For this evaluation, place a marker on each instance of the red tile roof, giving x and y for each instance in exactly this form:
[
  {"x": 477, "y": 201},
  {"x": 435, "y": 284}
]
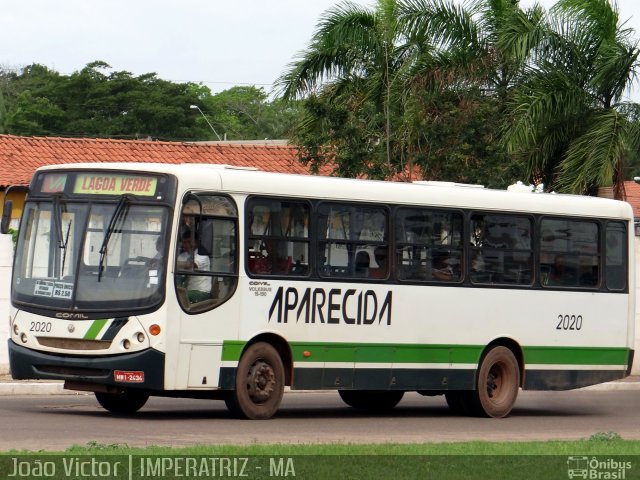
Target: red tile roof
[{"x": 20, "y": 156}]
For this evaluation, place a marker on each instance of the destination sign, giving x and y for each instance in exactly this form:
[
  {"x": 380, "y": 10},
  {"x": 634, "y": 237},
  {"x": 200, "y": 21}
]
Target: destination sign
[
  {"x": 54, "y": 183},
  {"x": 112, "y": 184}
]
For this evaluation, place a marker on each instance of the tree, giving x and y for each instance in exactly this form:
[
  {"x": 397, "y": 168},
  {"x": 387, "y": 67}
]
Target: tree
[
  {"x": 455, "y": 136},
  {"x": 569, "y": 120},
  {"x": 483, "y": 44},
  {"x": 420, "y": 78},
  {"x": 245, "y": 112},
  {"x": 97, "y": 101},
  {"x": 353, "y": 60}
]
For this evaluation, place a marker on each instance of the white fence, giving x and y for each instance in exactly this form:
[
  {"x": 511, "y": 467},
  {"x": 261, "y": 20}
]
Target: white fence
[{"x": 6, "y": 259}]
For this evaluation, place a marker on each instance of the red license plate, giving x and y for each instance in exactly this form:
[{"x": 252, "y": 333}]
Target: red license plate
[{"x": 128, "y": 377}]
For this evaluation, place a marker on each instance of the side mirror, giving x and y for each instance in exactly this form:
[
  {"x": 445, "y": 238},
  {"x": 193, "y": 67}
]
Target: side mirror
[{"x": 6, "y": 217}]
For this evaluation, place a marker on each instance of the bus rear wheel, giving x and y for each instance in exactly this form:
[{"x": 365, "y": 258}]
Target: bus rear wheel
[
  {"x": 375, "y": 400},
  {"x": 259, "y": 383},
  {"x": 497, "y": 384},
  {"x": 124, "y": 403}
]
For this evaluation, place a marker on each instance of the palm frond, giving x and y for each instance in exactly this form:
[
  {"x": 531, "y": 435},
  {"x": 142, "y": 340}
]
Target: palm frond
[
  {"x": 344, "y": 41},
  {"x": 593, "y": 158}
]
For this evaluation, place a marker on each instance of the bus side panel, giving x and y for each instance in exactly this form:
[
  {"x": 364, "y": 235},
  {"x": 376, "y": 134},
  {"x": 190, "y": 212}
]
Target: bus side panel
[{"x": 419, "y": 337}]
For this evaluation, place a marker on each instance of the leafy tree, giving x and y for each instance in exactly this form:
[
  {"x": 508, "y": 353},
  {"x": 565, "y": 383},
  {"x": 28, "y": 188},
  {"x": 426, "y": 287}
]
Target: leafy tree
[
  {"x": 343, "y": 130},
  {"x": 482, "y": 44},
  {"x": 455, "y": 137},
  {"x": 353, "y": 61},
  {"x": 96, "y": 101},
  {"x": 417, "y": 77},
  {"x": 467, "y": 59},
  {"x": 569, "y": 121},
  {"x": 246, "y": 113},
  {"x": 28, "y": 99}
]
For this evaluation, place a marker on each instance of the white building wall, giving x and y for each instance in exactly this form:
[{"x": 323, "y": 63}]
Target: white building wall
[
  {"x": 6, "y": 260},
  {"x": 635, "y": 370}
]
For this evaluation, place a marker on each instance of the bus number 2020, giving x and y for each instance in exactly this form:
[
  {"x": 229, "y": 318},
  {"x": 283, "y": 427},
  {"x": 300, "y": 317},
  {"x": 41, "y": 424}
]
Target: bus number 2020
[{"x": 569, "y": 322}]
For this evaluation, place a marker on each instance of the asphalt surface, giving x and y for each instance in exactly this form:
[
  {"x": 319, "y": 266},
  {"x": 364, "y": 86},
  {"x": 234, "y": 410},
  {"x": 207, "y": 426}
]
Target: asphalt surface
[{"x": 56, "y": 422}]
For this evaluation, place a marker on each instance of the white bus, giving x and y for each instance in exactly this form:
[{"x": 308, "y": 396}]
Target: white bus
[{"x": 138, "y": 280}]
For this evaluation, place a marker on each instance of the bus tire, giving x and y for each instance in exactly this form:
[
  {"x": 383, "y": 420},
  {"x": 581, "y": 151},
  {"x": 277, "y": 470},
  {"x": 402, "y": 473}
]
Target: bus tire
[
  {"x": 497, "y": 384},
  {"x": 259, "y": 383},
  {"x": 373, "y": 400},
  {"x": 125, "y": 403}
]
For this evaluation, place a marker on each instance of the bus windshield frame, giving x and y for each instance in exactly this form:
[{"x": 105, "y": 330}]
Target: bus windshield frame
[{"x": 102, "y": 250}]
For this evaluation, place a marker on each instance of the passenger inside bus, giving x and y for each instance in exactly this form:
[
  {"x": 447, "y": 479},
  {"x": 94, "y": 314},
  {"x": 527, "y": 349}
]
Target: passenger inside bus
[
  {"x": 381, "y": 257},
  {"x": 362, "y": 264},
  {"x": 157, "y": 258},
  {"x": 562, "y": 273},
  {"x": 442, "y": 268},
  {"x": 198, "y": 287}
]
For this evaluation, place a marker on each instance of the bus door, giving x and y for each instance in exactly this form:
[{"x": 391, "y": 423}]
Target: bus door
[{"x": 206, "y": 275}]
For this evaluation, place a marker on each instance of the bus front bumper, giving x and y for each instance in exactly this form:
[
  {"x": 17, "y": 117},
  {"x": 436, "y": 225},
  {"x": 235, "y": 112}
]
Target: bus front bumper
[{"x": 143, "y": 370}]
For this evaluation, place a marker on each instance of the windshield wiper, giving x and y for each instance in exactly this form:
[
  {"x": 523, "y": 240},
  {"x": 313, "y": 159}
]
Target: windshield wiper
[
  {"x": 57, "y": 220},
  {"x": 64, "y": 247},
  {"x": 117, "y": 213}
]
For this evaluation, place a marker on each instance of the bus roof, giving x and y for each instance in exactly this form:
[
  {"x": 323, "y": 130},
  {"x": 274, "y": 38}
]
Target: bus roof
[{"x": 438, "y": 194}]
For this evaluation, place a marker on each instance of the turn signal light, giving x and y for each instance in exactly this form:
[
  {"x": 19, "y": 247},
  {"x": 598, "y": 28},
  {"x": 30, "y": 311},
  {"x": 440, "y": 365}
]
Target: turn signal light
[{"x": 154, "y": 329}]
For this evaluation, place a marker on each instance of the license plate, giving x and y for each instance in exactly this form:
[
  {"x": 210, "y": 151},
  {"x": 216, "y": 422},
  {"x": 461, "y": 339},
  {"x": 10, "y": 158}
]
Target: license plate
[{"x": 128, "y": 377}]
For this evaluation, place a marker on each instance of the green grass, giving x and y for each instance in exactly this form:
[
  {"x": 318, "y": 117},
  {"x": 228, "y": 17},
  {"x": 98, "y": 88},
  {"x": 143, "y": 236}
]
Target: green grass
[
  {"x": 608, "y": 443},
  {"x": 461, "y": 460}
]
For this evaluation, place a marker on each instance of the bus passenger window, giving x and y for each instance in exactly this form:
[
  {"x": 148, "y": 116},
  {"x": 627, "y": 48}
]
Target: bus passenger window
[
  {"x": 206, "y": 261},
  {"x": 278, "y": 237},
  {"x": 569, "y": 253},
  {"x": 501, "y": 249},
  {"x": 616, "y": 256},
  {"x": 429, "y": 245},
  {"x": 351, "y": 238}
]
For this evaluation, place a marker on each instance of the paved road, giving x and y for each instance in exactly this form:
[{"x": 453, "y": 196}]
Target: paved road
[{"x": 55, "y": 422}]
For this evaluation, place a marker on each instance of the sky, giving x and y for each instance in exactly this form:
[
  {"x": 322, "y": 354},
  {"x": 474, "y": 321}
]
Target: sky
[{"x": 218, "y": 43}]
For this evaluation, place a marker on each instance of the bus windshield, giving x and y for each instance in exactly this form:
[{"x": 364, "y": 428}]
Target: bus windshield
[{"x": 86, "y": 256}]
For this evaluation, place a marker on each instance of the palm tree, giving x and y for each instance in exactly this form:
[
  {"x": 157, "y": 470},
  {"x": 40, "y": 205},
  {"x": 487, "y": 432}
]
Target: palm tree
[
  {"x": 469, "y": 55},
  {"x": 355, "y": 53},
  {"x": 483, "y": 43},
  {"x": 569, "y": 119}
]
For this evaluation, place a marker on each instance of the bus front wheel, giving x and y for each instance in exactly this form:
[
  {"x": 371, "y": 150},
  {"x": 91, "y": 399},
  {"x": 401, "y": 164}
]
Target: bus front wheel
[
  {"x": 497, "y": 384},
  {"x": 259, "y": 383},
  {"x": 124, "y": 403}
]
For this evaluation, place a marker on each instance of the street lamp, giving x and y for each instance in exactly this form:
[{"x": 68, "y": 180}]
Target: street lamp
[{"x": 196, "y": 107}]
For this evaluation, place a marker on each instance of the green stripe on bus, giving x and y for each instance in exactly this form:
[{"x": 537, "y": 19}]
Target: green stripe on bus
[
  {"x": 438, "y": 354},
  {"x": 576, "y": 355},
  {"x": 94, "y": 329},
  {"x": 385, "y": 353},
  {"x": 231, "y": 350}
]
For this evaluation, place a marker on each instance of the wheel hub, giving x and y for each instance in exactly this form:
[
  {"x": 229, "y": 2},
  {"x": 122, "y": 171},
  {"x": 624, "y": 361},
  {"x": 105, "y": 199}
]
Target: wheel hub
[
  {"x": 493, "y": 382},
  {"x": 261, "y": 382}
]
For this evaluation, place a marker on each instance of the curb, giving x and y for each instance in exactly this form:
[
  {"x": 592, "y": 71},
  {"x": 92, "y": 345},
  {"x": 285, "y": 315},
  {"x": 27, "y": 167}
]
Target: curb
[
  {"x": 33, "y": 388},
  {"x": 613, "y": 386}
]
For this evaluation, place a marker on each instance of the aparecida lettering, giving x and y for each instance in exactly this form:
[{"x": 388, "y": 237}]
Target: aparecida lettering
[{"x": 315, "y": 305}]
